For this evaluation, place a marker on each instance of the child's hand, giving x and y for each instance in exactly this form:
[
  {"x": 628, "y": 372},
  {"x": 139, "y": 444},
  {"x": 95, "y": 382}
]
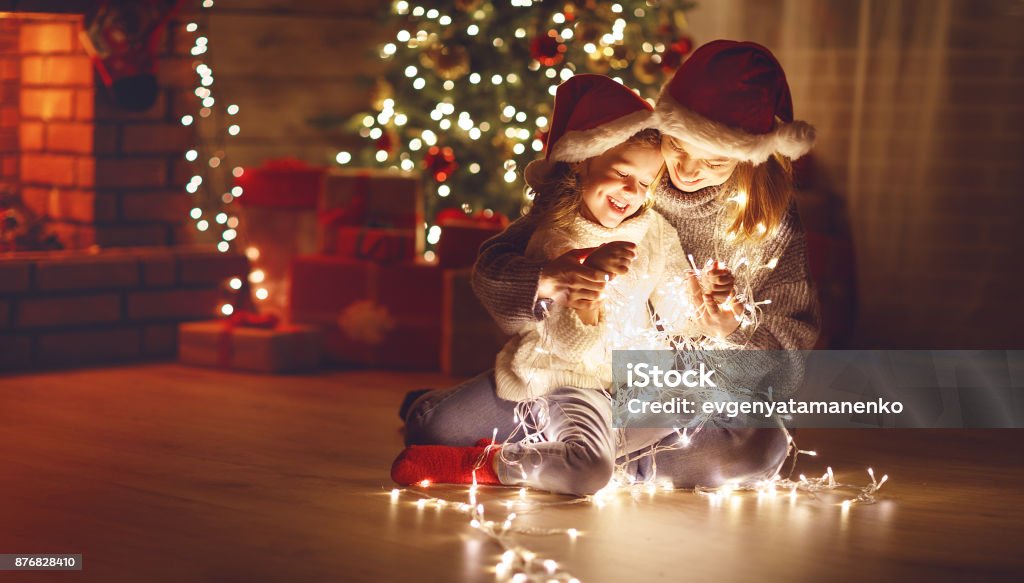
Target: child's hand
[
  {"x": 566, "y": 280},
  {"x": 613, "y": 258},
  {"x": 718, "y": 319}
]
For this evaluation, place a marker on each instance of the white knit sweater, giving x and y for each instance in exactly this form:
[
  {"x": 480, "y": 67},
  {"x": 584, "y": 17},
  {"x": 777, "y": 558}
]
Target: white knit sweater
[{"x": 561, "y": 350}]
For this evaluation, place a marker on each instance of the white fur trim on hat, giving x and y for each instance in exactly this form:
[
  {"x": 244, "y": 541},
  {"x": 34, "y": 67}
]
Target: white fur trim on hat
[
  {"x": 792, "y": 140},
  {"x": 578, "y": 145}
]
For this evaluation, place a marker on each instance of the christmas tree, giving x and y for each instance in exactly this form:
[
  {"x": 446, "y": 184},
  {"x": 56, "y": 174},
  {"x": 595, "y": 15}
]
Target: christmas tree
[{"x": 467, "y": 92}]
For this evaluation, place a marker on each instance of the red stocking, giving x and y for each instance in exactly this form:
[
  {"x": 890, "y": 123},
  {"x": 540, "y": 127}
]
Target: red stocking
[
  {"x": 123, "y": 37},
  {"x": 442, "y": 464}
]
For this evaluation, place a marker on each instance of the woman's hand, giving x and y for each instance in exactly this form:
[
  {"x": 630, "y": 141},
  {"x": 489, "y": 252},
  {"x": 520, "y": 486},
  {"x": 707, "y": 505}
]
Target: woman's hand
[
  {"x": 719, "y": 282},
  {"x": 718, "y": 319},
  {"x": 566, "y": 280}
]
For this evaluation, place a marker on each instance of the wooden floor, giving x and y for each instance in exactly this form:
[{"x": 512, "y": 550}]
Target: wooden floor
[{"x": 165, "y": 473}]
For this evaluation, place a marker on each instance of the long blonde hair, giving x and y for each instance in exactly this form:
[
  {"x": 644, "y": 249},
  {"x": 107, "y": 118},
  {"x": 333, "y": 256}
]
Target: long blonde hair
[
  {"x": 558, "y": 200},
  {"x": 763, "y": 194}
]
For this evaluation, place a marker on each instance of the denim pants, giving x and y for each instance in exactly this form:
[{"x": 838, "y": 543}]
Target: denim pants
[{"x": 578, "y": 449}]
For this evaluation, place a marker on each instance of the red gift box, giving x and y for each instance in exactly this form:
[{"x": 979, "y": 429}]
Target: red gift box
[
  {"x": 462, "y": 235},
  {"x": 373, "y": 199},
  {"x": 470, "y": 339},
  {"x": 384, "y": 315},
  {"x": 282, "y": 348},
  {"x": 279, "y": 219},
  {"x": 379, "y": 245},
  {"x": 282, "y": 183}
]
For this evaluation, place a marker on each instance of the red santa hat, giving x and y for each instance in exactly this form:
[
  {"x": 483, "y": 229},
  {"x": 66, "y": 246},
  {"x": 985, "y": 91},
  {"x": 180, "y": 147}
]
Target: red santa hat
[
  {"x": 592, "y": 115},
  {"x": 731, "y": 98}
]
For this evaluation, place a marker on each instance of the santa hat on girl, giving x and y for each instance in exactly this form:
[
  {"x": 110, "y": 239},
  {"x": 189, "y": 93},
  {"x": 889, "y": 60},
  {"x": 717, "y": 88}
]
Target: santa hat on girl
[
  {"x": 592, "y": 115},
  {"x": 731, "y": 98}
]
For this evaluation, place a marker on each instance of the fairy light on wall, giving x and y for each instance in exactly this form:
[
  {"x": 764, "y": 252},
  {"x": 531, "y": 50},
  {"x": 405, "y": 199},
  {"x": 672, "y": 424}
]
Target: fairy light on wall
[{"x": 210, "y": 183}]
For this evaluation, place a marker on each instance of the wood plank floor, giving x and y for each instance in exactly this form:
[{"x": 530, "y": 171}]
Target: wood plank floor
[{"x": 161, "y": 472}]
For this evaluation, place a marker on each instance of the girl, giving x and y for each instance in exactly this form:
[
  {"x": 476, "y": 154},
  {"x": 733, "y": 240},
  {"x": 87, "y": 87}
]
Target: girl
[{"x": 591, "y": 204}]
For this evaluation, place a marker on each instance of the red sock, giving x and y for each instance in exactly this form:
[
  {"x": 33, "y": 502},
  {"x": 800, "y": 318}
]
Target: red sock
[{"x": 442, "y": 464}]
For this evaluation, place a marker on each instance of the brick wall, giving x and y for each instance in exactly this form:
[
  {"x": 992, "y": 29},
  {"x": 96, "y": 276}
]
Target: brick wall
[
  {"x": 73, "y": 308},
  {"x": 100, "y": 175},
  {"x": 56, "y": 93},
  {"x": 10, "y": 75},
  {"x": 140, "y": 165}
]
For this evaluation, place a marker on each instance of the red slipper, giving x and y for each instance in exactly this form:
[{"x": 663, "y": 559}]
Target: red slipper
[{"x": 442, "y": 464}]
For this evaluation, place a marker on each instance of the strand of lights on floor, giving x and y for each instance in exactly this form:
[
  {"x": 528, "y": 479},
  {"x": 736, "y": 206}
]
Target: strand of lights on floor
[
  {"x": 519, "y": 564},
  {"x": 229, "y": 220}
]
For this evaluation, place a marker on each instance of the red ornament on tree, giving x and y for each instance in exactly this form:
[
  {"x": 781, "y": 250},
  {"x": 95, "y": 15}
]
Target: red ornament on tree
[
  {"x": 440, "y": 162},
  {"x": 673, "y": 57},
  {"x": 547, "y": 49}
]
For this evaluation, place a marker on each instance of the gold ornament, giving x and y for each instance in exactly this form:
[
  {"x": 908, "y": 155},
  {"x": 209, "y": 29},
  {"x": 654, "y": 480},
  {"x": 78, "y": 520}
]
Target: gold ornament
[
  {"x": 646, "y": 70},
  {"x": 598, "y": 62},
  {"x": 621, "y": 56},
  {"x": 449, "y": 62}
]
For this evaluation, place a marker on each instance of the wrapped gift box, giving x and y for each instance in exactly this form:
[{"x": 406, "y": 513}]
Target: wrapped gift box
[
  {"x": 279, "y": 218},
  {"x": 372, "y": 198},
  {"x": 378, "y": 245},
  {"x": 470, "y": 340},
  {"x": 285, "y": 183},
  {"x": 381, "y": 315},
  {"x": 460, "y": 243},
  {"x": 462, "y": 235},
  {"x": 285, "y": 348}
]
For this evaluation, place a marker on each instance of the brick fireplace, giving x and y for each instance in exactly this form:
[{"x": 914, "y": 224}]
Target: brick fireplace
[
  {"x": 96, "y": 174},
  {"x": 109, "y": 184}
]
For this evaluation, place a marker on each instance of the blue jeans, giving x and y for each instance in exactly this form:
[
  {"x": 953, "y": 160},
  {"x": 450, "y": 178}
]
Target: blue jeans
[{"x": 579, "y": 449}]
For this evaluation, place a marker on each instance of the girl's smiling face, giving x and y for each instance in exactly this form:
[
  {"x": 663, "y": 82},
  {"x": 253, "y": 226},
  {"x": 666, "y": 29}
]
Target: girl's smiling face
[
  {"x": 615, "y": 184},
  {"x": 691, "y": 168}
]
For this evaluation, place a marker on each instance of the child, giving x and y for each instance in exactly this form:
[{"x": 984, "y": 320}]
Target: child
[
  {"x": 598, "y": 206},
  {"x": 591, "y": 201}
]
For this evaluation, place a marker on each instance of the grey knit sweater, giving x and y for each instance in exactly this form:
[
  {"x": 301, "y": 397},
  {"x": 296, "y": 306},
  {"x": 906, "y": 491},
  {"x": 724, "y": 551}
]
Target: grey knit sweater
[{"x": 774, "y": 270}]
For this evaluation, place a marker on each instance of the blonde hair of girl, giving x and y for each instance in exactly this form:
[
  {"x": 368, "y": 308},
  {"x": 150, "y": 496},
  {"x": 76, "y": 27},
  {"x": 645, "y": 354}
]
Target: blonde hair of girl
[{"x": 763, "y": 195}]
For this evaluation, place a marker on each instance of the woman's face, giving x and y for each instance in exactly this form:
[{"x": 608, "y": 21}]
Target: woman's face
[
  {"x": 691, "y": 168},
  {"x": 615, "y": 183}
]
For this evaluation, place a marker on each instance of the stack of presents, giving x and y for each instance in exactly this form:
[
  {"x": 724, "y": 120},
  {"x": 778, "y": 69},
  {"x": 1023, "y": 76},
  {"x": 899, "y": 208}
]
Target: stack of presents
[{"x": 347, "y": 248}]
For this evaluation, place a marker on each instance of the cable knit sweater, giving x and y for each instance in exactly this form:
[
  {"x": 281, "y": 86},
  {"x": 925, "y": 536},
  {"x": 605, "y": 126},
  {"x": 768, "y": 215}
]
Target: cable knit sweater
[
  {"x": 506, "y": 280},
  {"x": 560, "y": 350}
]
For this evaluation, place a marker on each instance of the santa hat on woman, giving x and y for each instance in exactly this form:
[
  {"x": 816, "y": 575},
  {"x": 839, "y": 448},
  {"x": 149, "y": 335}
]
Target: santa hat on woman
[
  {"x": 731, "y": 98},
  {"x": 592, "y": 115}
]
